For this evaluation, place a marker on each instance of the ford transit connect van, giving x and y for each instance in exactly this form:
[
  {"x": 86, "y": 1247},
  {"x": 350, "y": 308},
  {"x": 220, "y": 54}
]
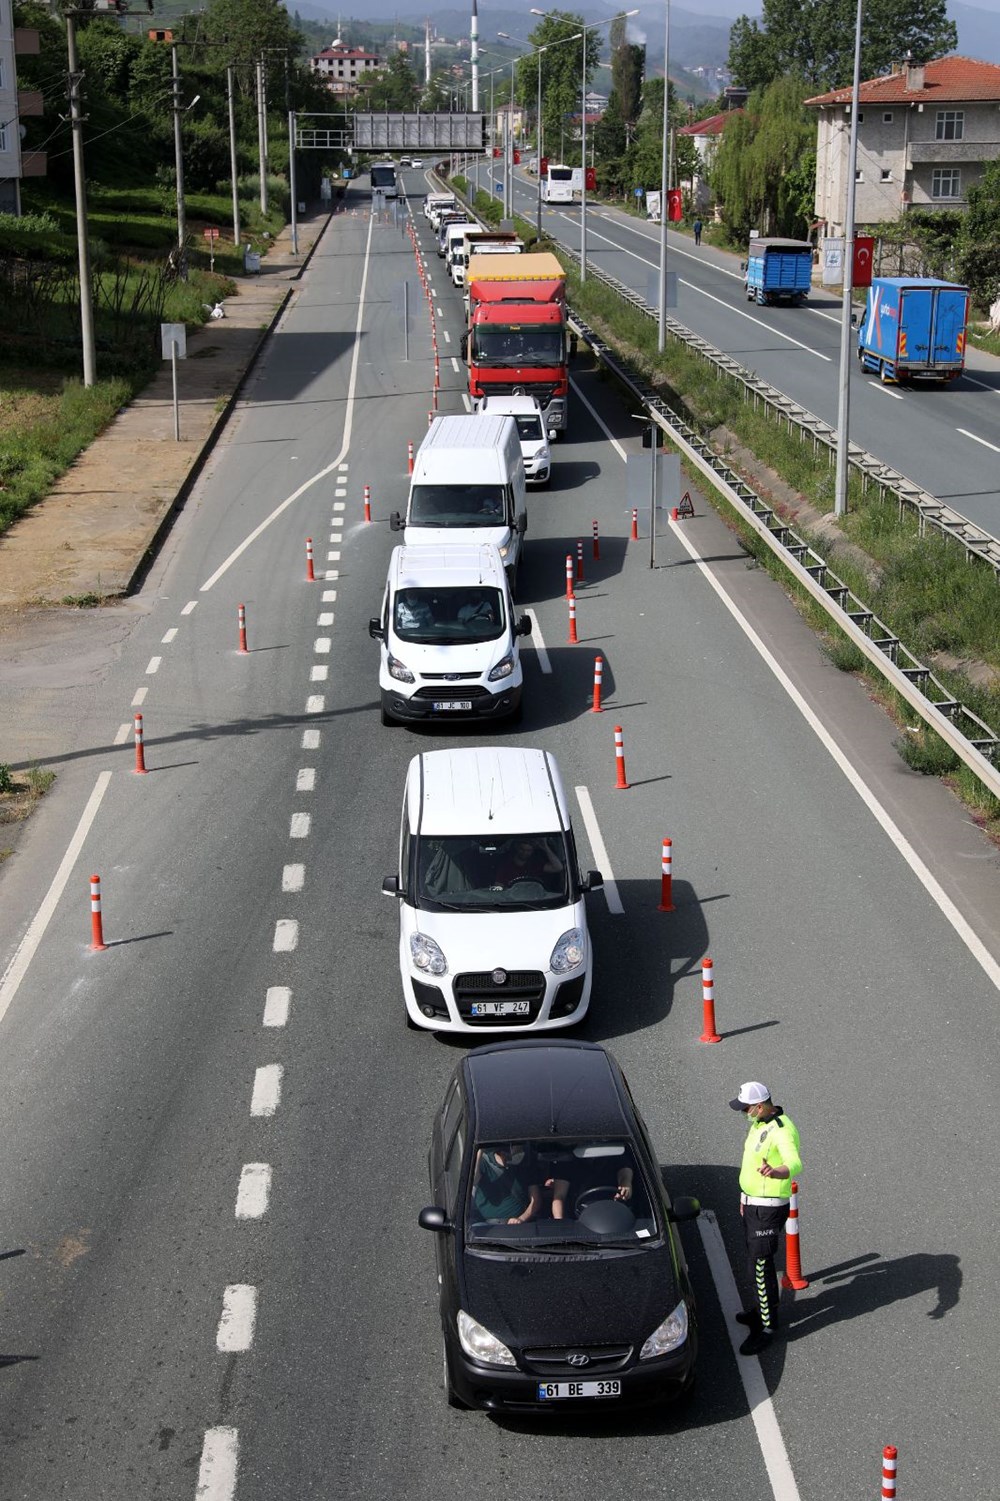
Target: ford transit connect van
[
  {"x": 468, "y": 486},
  {"x": 448, "y": 636},
  {"x": 492, "y": 922}
]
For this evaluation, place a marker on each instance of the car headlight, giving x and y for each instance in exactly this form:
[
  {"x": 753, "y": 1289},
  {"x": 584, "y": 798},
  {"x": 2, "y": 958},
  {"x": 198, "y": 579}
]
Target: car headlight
[
  {"x": 503, "y": 669},
  {"x": 399, "y": 670},
  {"x": 480, "y": 1344},
  {"x": 568, "y": 953},
  {"x": 427, "y": 955},
  {"x": 671, "y": 1333}
]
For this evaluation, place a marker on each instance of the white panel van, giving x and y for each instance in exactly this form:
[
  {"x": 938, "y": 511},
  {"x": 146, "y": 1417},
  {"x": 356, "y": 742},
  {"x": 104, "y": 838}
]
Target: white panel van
[
  {"x": 468, "y": 486},
  {"x": 492, "y": 919}
]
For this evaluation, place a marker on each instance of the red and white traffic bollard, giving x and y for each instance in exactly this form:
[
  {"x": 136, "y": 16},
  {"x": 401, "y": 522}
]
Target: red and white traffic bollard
[
  {"x": 708, "y": 1032},
  {"x": 620, "y": 780},
  {"x": 598, "y": 678},
  {"x": 310, "y": 570},
  {"x": 597, "y": 544},
  {"x": 573, "y": 638},
  {"x": 793, "y": 1254},
  {"x": 140, "y": 751},
  {"x": 569, "y": 576},
  {"x": 96, "y": 920},
  {"x": 579, "y": 562},
  {"x": 889, "y": 1472},
  {"x": 635, "y": 524},
  {"x": 409, "y": 456},
  {"x": 241, "y": 616},
  {"x": 667, "y": 877},
  {"x": 673, "y": 514},
  {"x": 368, "y": 502}
]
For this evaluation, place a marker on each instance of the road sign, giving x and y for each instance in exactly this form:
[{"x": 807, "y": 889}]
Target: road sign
[
  {"x": 638, "y": 192},
  {"x": 211, "y": 233}
]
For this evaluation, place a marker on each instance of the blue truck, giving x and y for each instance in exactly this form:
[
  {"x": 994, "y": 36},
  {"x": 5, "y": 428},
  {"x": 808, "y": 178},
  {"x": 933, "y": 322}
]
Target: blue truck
[
  {"x": 913, "y": 326},
  {"x": 778, "y": 271}
]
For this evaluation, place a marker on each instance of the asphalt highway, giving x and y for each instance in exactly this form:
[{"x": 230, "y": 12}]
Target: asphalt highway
[
  {"x": 215, "y": 1132},
  {"x": 944, "y": 438}
]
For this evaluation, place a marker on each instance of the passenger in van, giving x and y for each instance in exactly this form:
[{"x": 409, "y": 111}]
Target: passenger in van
[
  {"x": 499, "y": 1190},
  {"x": 413, "y": 613}
]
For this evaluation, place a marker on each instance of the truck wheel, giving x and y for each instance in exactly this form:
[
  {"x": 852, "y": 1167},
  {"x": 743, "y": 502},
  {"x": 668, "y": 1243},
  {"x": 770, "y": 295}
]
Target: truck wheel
[{"x": 883, "y": 377}]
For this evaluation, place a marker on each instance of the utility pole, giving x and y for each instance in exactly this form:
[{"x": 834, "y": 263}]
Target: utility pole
[
  {"x": 661, "y": 324},
  {"x": 262, "y": 134},
  {"x": 232, "y": 152},
  {"x": 844, "y": 388},
  {"x": 80, "y": 183},
  {"x": 179, "y": 165}
]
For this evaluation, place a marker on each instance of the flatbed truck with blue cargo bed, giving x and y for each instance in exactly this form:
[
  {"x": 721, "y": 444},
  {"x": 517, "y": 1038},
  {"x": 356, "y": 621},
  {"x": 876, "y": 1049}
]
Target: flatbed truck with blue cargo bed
[
  {"x": 778, "y": 271},
  {"x": 913, "y": 326}
]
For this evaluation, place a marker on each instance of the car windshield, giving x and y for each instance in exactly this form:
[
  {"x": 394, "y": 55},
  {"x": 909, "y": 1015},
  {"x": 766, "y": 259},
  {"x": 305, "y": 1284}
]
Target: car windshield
[
  {"x": 445, "y": 617},
  {"x": 490, "y": 873},
  {"x": 550, "y": 1193},
  {"x": 456, "y": 505},
  {"x": 528, "y": 428},
  {"x": 529, "y": 344}
]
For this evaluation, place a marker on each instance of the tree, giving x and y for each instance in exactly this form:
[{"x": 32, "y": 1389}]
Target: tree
[
  {"x": 394, "y": 87},
  {"x": 627, "y": 63},
  {"x": 979, "y": 238},
  {"x": 561, "y": 70},
  {"x": 757, "y": 170},
  {"x": 815, "y": 38}
]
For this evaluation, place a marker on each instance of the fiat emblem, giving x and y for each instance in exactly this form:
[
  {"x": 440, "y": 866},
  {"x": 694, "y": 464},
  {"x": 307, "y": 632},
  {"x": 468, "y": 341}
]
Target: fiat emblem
[
  {"x": 578, "y": 1358},
  {"x": 499, "y": 977}
]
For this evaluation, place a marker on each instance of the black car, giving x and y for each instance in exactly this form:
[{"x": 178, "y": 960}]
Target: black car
[{"x": 562, "y": 1277}]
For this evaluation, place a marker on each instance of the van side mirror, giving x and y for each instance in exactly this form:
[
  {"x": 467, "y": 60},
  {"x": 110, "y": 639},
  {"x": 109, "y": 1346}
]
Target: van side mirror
[
  {"x": 390, "y": 886},
  {"x": 375, "y": 630},
  {"x": 593, "y": 881},
  {"x": 574, "y": 344},
  {"x": 521, "y": 524},
  {"x": 854, "y": 317},
  {"x": 524, "y": 626},
  {"x": 395, "y": 522},
  {"x": 553, "y": 434}
]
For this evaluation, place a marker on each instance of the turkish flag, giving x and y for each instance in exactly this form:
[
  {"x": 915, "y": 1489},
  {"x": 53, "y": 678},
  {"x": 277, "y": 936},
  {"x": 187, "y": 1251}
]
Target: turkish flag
[
  {"x": 496, "y": 152},
  {"x": 864, "y": 258},
  {"x": 543, "y": 167},
  {"x": 590, "y": 179},
  {"x": 675, "y": 208},
  {"x": 517, "y": 157}
]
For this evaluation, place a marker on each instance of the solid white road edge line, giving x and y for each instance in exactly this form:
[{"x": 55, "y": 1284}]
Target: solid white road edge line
[
  {"x": 619, "y": 450},
  {"x": 25, "y": 951},
  {"x": 772, "y": 1445},
  {"x": 885, "y": 390},
  {"x": 344, "y": 447},
  {"x": 538, "y": 642},
  {"x": 593, "y": 828},
  {"x": 239, "y": 1315},
  {"x": 217, "y": 1470}
]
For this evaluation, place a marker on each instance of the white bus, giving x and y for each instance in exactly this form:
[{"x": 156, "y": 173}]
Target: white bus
[
  {"x": 557, "y": 185},
  {"x": 383, "y": 178}
]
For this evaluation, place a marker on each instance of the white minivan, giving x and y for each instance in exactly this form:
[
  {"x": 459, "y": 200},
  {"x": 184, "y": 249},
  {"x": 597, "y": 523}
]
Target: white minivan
[
  {"x": 534, "y": 439},
  {"x": 448, "y": 636},
  {"x": 492, "y": 920},
  {"x": 468, "y": 486},
  {"x": 454, "y": 249}
]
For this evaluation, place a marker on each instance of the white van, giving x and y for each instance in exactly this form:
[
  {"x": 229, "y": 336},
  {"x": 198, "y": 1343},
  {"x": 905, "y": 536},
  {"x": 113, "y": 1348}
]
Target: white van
[
  {"x": 454, "y": 249},
  {"x": 448, "y": 636},
  {"x": 468, "y": 483},
  {"x": 492, "y": 921},
  {"x": 534, "y": 439},
  {"x": 437, "y": 203}
]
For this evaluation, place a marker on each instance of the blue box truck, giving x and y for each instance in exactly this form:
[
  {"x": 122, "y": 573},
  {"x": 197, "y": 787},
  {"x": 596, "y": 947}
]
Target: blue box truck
[
  {"x": 778, "y": 271},
  {"x": 913, "y": 326}
]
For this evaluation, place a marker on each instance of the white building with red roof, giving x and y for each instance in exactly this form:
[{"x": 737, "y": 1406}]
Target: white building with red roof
[
  {"x": 925, "y": 133},
  {"x": 706, "y": 135},
  {"x": 343, "y": 69}
]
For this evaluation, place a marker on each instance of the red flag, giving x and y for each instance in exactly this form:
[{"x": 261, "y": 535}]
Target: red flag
[
  {"x": 675, "y": 208},
  {"x": 517, "y": 157},
  {"x": 864, "y": 259},
  {"x": 543, "y": 167},
  {"x": 590, "y": 178}
]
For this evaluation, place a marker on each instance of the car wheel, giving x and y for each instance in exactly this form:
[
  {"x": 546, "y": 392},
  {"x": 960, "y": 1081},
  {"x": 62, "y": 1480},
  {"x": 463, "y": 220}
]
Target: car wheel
[
  {"x": 450, "y": 1395},
  {"x": 387, "y": 718}
]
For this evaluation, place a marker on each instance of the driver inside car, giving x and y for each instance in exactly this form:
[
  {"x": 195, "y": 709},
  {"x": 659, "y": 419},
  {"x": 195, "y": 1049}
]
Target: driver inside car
[
  {"x": 525, "y": 860},
  {"x": 593, "y": 1165}
]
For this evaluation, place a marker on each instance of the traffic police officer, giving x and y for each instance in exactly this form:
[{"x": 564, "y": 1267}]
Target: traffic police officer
[{"x": 770, "y": 1161}]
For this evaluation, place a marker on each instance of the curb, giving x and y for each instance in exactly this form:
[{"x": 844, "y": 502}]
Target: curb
[{"x": 150, "y": 551}]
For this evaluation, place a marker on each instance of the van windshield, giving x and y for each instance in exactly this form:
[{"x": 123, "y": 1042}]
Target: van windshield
[
  {"x": 456, "y": 505},
  {"x": 446, "y": 617},
  {"x": 489, "y": 873}
]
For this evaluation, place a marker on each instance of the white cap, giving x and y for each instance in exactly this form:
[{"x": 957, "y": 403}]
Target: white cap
[{"x": 751, "y": 1093}]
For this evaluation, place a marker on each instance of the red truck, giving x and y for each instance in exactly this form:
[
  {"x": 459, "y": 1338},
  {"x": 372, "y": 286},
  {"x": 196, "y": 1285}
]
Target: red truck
[{"x": 517, "y": 341}]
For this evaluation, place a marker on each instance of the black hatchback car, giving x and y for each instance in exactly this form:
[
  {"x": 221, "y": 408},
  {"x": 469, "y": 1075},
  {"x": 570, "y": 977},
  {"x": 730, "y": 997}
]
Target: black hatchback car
[{"x": 563, "y": 1282}]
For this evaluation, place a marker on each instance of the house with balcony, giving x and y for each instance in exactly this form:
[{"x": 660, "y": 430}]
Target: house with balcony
[
  {"x": 925, "y": 134},
  {"x": 706, "y": 135},
  {"x": 16, "y": 104},
  {"x": 344, "y": 69}
]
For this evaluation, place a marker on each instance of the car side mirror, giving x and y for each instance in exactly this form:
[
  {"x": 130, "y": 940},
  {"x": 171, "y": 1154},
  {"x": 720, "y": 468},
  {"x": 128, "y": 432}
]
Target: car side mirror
[
  {"x": 464, "y": 346},
  {"x": 684, "y": 1209},
  {"x": 434, "y": 1218},
  {"x": 390, "y": 886},
  {"x": 743, "y": 265},
  {"x": 593, "y": 881},
  {"x": 375, "y": 630},
  {"x": 524, "y": 626},
  {"x": 553, "y": 434},
  {"x": 854, "y": 318},
  {"x": 521, "y": 524},
  {"x": 395, "y": 522}
]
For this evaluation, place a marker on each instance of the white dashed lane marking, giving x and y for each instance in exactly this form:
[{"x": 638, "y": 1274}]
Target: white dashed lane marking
[
  {"x": 217, "y": 1470},
  {"x": 326, "y": 618},
  {"x": 329, "y": 596},
  {"x": 319, "y": 674},
  {"x": 266, "y": 1090},
  {"x": 239, "y": 1315},
  {"x": 299, "y": 826},
  {"x": 293, "y": 877},
  {"x": 254, "y": 1190},
  {"x": 333, "y": 557},
  {"x": 153, "y": 665},
  {"x": 169, "y": 636},
  {"x": 276, "y": 1005},
  {"x": 124, "y": 731},
  {"x": 315, "y": 703},
  {"x": 286, "y": 935},
  {"x": 305, "y": 780},
  {"x": 191, "y": 604},
  {"x": 538, "y": 642},
  {"x": 310, "y": 739},
  {"x": 139, "y": 697}
]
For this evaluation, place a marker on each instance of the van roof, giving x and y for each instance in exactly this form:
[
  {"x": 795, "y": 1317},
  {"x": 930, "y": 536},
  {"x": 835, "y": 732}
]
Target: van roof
[
  {"x": 490, "y": 789},
  {"x": 446, "y": 565},
  {"x": 472, "y": 431}
]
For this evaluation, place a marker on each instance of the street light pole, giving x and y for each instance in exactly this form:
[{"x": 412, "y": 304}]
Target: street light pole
[
  {"x": 844, "y": 398},
  {"x": 232, "y": 153},
  {"x": 80, "y": 184},
  {"x": 583, "y": 165},
  {"x": 661, "y": 326},
  {"x": 538, "y": 133},
  {"x": 179, "y": 163}
]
